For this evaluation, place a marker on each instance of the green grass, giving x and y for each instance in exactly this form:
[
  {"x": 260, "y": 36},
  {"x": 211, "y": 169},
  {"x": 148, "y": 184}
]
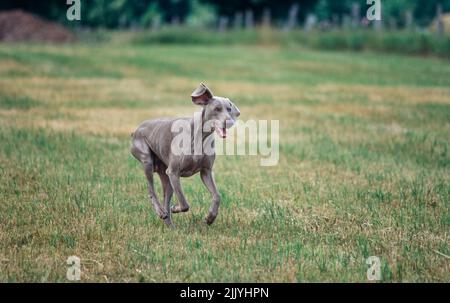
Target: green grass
[
  {"x": 401, "y": 42},
  {"x": 363, "y": 171}
]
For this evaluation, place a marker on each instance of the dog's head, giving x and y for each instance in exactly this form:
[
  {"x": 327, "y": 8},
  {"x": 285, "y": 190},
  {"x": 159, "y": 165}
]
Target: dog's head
[{"x": 219, "y": 110}]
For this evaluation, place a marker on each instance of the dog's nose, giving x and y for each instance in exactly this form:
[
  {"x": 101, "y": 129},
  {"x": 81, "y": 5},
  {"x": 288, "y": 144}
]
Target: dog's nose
[{"x": 229, "y": 123}]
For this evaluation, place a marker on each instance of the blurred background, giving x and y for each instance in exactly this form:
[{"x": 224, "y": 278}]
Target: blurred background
[{"x": 407, "y": 26}]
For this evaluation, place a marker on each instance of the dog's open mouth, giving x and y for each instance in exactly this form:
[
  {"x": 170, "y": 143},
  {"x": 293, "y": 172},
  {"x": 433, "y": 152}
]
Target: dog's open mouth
[
  {"x": 221, "y": 131},
  {"x": 221, "y": 127}
]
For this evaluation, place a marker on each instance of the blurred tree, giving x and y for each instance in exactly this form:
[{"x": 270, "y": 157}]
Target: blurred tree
[
  {"x": 278, "y": 9},
  {"x": 152, "y": 16},
  {"x": 128, "y": 13},
  {"x": 425, "y": 10},
  {"x": 202, "y": 14},
  {"x": 174, "y": 9},
  {"x": 116, "y": 13},
  {"x": 323, "y": 10},
  {"x": 50, "y": 9}
]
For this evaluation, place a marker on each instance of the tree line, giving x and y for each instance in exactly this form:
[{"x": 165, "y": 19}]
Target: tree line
[{"x": 149, "y": 13}]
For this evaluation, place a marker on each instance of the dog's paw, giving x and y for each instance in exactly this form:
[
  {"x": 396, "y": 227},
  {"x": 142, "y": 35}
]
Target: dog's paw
[
  {"x": 162, "y": 213},
  {"x": 210, "y": 219},
  {"x": 177, "y": 209}
]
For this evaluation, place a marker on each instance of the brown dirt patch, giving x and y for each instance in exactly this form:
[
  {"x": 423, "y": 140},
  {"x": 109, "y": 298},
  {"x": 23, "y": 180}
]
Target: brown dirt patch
[{"x": 19, "y": 26}]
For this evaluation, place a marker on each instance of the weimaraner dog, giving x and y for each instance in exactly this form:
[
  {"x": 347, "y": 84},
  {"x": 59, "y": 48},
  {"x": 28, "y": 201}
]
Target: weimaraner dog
[{"x": 152, "y": 146}]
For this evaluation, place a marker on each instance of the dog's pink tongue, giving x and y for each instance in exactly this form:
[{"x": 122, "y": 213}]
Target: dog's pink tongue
[{"x": 222, "y": 132}]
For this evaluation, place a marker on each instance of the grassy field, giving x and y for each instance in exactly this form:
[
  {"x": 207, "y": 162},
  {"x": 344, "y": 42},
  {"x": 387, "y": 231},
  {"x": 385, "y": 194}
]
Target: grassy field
[{"x": 364, "y": 165}]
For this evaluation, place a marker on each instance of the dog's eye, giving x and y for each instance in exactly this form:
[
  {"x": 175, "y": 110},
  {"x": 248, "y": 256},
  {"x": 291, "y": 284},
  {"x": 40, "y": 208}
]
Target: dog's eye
[
  {"x": 229, "y": 109},
  {"x": 218, "y": 109}
]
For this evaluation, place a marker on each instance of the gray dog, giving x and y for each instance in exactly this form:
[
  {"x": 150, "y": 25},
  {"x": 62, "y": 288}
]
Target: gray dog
[{"x": 152, "y": 146}]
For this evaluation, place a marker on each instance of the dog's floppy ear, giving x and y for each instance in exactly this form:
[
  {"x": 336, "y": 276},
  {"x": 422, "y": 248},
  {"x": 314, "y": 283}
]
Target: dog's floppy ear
[{"x": 201, "y": 95}]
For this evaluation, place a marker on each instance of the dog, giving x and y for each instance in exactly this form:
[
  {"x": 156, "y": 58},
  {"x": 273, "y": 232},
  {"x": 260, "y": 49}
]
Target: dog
[{"x": 152, "y": 146}]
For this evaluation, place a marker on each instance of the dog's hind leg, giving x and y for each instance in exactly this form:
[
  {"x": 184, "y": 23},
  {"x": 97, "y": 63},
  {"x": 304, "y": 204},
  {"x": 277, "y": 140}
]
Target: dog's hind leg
[
  {"x": 168, "y": 192},
  {"x": 142, "y": 152},
  {"x": 148, "y": 168}
]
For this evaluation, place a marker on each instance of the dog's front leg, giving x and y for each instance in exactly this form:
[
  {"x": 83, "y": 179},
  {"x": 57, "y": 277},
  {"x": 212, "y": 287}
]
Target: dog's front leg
[
  {"x": 208, "y": 179},
  {"x": 183, "y": 205}
]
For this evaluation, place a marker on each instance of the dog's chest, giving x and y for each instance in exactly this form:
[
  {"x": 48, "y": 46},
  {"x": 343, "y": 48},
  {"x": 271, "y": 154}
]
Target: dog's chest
[{"x": 193, "y": 164}]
